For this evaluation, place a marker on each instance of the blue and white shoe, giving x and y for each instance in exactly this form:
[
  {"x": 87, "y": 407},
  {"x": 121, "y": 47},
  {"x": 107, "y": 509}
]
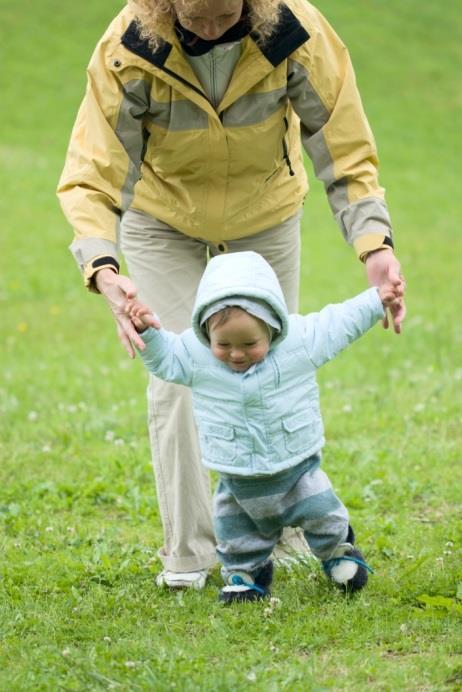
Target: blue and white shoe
[
  {"x": 243, "y": 586},
  {"x": 347, "y": 567}
]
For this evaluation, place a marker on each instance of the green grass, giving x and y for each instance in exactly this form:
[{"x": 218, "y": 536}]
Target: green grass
[{"x": 79, "y": 525}]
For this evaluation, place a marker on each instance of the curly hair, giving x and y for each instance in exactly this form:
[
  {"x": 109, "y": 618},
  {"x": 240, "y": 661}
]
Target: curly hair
[{"x": 155, "y": 17}]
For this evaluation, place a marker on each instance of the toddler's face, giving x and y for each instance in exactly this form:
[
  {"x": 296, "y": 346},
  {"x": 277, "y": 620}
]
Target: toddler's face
[{"x": 241, "y": 341}]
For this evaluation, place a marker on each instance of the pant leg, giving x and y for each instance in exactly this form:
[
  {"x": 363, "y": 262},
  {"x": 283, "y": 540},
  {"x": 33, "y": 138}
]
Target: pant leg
[
  {"x": 166, "y": 267},
  {"x": 313, "y": 506},
  {"x": 301, "y": 496},
  {"x": 241, "y": 547}
]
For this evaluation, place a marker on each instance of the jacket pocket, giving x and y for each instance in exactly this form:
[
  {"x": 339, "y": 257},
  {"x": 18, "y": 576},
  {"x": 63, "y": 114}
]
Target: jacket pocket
[
  {"x": 218, "y": 442},
  {"x": 298, "y": 431}
]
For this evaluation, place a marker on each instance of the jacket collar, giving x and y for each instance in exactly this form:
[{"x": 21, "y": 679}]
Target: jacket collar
[{"x": 288, "y": 35}]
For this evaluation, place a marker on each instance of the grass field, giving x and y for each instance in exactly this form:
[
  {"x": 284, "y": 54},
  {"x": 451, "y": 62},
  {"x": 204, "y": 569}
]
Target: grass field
[{"x": 79, "y": 526}]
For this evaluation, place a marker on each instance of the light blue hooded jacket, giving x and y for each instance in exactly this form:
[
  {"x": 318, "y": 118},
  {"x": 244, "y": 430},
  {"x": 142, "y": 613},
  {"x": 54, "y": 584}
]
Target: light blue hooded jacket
[{"x": 266, "y": 419}]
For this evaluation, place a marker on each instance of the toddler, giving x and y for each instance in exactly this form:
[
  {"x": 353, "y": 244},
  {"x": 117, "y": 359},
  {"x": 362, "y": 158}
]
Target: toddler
[{"x": 251, "y": 368}]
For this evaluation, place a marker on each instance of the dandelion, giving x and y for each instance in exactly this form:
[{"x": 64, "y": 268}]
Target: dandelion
[
  {"x": 46, "y": 449},
  {"x": 22, "y": 327},
  {"x": 449, "y": 546},
  {"x": 32, "y": 416},
  {"x": 66, "y": 652},
  {"x": 273, "y": 604},
  {"x": 130, "y": 664},
  {"x": 347, "y": 408},
  {"x": 49, "y": 529},
  {"x": 109, "y": 436}
]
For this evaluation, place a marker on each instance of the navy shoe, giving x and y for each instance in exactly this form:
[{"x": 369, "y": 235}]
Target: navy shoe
[
  {"x": 243, "y": 586},
  {"x": 347, "y": 567}
]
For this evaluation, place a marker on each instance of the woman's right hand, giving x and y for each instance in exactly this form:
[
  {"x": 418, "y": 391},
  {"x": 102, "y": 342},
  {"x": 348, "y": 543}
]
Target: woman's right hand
[{"x": 118, "y": 290}]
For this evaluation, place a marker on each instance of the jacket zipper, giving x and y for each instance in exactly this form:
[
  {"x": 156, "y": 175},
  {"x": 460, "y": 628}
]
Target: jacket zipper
[
  {"x": 213, "y": 79},
  {"x": 285, "y": 150}
]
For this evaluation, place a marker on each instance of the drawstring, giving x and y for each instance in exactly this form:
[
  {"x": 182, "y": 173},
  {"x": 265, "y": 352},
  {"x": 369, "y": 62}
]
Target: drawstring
[
  {"x": 238, "y": 581},
  {"x": 334, "y": 562}
]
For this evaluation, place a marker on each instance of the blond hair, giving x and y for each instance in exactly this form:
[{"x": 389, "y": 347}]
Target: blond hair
[{"x": 157, "y": 17}]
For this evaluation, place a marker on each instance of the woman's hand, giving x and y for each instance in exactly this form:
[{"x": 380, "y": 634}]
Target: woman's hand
[
  {"x": 384, "y": 271},
  {"x": 118, "y": 290}
]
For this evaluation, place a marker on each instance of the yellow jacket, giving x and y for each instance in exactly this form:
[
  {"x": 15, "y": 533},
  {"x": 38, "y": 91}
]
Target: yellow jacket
[{"x": 147, "y": 137}]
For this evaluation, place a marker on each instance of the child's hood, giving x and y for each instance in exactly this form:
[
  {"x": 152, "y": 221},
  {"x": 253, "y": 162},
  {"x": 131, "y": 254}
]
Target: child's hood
[{"x": 244, "y": 274}]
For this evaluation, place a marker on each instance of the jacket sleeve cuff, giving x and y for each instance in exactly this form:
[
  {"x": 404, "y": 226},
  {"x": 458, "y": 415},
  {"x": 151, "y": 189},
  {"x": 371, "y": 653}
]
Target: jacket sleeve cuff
[
  {"x": 97, "y": 263},
  {"x": 370, "y": 242}
]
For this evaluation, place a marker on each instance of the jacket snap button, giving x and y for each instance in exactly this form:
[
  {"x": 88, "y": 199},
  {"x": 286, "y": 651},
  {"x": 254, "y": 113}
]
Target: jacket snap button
[{"x": 117, "y": 63}]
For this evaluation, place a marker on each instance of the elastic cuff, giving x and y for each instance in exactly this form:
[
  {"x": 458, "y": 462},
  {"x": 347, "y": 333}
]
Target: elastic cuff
[
  {"x": 369, "y": 243},
  {"x": 97, "y": 263}
]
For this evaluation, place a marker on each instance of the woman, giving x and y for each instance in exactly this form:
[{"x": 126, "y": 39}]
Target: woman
[{"x": 188, "y": 145}]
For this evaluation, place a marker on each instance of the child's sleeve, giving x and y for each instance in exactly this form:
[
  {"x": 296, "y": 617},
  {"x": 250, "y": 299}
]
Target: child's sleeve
[
  {"x": 166, "y": 356},
  {"x": 329, "y": 331}
]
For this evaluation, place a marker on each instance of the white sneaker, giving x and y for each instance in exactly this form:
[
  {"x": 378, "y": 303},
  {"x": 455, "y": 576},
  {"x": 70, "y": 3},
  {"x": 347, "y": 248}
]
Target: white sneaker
[{"x": 182, "y": 580}]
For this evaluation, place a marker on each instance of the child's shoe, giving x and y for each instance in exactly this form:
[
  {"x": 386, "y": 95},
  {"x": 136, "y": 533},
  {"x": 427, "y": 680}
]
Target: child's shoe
[
  {"x": 347, "y": 567},
  {"x": 242, "y": 586}
]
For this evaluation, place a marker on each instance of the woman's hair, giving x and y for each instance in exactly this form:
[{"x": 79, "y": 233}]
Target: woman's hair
[{"x": 156, "y": 16}]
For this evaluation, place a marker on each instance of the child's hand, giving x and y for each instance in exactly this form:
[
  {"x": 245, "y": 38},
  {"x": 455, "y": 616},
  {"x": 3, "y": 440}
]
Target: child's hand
[
  {"x": 384, "y": 270},
  {"x": 141, "y": 316},
  {"x": 392, "y": 300}
]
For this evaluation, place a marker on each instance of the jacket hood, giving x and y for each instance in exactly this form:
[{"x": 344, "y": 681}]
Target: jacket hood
[{"x": 244, "y": 274}]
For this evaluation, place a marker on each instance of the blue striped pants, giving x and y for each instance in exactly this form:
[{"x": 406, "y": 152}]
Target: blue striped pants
[{"x": 250, "y": 513}]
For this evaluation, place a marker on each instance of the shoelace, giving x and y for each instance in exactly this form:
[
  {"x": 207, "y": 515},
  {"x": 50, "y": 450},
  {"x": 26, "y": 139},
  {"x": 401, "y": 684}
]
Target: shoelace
[
  {"x": 333, "y": 562},
  {"x": 238, "y": 581}
]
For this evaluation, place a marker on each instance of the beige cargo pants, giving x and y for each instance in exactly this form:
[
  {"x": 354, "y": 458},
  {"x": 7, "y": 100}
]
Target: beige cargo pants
[{"x": 166, "y": 267}]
